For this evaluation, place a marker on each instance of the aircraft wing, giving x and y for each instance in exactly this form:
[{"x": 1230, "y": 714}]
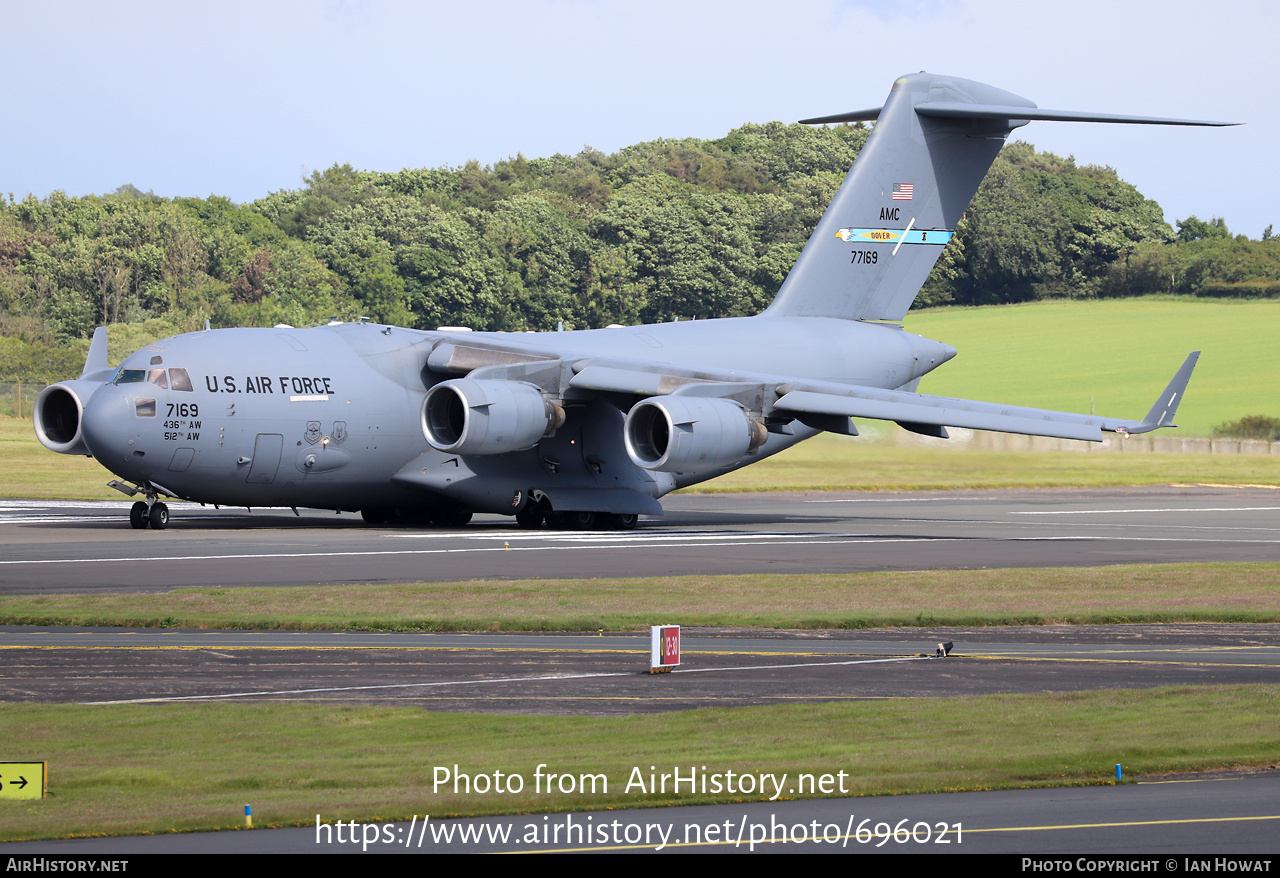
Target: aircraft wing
[
  {"x": 919, "y": 412},
  {"x": 940, "y": 411}
]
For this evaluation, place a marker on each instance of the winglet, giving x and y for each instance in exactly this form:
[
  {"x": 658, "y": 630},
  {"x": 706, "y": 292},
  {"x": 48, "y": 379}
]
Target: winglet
[
  {"x": 1161, "y": 414},
  {"x": 96, "y": 367}
]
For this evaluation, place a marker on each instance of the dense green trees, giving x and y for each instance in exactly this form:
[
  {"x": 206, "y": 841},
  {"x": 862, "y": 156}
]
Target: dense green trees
[
  {"x": 659, "y": 230},
  {"x": 1207, "y": 260}
]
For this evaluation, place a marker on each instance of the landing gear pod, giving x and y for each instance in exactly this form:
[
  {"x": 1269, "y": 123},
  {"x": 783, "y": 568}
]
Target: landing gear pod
[
  {"x": 466, "y": 416},
  {"x": 674, "y": 434},
  {"x": 58, "y": 415}
]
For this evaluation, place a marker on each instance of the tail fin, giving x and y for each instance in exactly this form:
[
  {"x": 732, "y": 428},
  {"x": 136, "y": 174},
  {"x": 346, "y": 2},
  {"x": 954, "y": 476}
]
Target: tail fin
[{"x": 935, "y": 138}]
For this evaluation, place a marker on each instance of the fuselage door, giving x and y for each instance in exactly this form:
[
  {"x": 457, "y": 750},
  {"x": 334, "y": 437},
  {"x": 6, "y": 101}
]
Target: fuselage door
[{"x": 266, "y": 458}]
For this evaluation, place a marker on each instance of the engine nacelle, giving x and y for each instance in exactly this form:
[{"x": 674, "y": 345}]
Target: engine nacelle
[
  {"x": 59, "y": 413},
  {"x": 466, "y": 416},
  {"x": 677, "y": 434}
]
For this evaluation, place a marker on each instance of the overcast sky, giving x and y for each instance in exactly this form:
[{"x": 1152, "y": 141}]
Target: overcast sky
[{"x": 244, "y": 98}]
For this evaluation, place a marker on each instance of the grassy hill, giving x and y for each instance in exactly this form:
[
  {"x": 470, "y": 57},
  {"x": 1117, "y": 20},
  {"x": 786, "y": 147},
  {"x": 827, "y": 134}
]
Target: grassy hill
[{"x": 1057, "y": 354}]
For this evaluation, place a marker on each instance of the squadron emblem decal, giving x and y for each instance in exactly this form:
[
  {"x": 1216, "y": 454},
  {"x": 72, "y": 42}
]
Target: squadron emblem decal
[{"x": 888, "y": 236}]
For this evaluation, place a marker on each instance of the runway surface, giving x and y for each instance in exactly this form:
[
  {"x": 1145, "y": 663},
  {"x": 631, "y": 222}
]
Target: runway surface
[
  {"x": 77, "y": 547},
  {"x": 601, "y": 676},
  {"x": 49, "y": 546}
]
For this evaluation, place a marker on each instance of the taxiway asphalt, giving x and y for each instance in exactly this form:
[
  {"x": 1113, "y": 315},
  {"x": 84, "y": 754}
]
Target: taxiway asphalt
[
  {"x": 79, "y": 547},
  {"x": 51, "y": 546},
  {"x": 600, "y": 676}
]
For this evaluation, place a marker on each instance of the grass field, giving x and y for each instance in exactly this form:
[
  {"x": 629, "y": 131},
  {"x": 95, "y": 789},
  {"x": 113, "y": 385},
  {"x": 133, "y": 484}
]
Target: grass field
[
  {"x": 1122, "y": 352},
  {"x": 158, "y": 768},
  {"x": 841, "y": 463},
  {"x": 1132, "y": 593}
]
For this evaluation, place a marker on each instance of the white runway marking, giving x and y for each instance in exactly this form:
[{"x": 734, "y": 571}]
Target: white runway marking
[
  {"x": 1137, "y": 511},
  {"x": 643, "y": 544},
  {"x": 623, "y": 536},
  {"x": 903, "y": 500},
  {"x": 531, "y": 679},
  {"x": 369, "y": 553}
]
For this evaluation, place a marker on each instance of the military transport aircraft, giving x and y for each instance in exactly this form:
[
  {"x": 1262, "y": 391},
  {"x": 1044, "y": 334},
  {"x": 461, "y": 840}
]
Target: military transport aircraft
[{"x": 588, "y": 428}]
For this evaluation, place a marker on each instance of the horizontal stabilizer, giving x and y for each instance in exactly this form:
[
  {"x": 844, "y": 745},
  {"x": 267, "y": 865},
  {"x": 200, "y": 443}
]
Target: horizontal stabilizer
[
  {"x": 948, "y": 110},
  {"x": 855, "y": 116}
]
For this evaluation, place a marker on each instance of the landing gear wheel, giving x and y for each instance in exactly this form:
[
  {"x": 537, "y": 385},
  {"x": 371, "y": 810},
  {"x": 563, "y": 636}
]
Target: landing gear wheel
[
  {"x": 454, "y": 518},
  {"x": 159, "y": 516},
  {"x": 374, "y": 516},
  {"x": 138, "y": 515},
  {"x": 578, "y": 520},
  {"x": 622, "y": 521},
  {"x": 530, "y": 519}
]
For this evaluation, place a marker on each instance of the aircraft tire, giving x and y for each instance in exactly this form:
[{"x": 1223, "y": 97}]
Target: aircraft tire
[
  {"x": 453, "y": 518},
  {"x": 530, "y": 519},
  {"x": 138, "y": 515},
  {"x": 622, "y": 521},
  {"x": 578, "y": 520},
  {"x": 159, "y": 516},
  {"x": 374, "y": 516}
]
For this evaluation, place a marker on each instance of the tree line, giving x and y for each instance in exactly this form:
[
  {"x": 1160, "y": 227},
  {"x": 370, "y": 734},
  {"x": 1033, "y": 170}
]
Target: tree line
[{"x": 659, "y": 230}]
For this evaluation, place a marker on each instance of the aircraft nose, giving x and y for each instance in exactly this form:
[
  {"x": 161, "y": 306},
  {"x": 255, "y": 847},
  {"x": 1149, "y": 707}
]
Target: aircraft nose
[{"x": 108, "y": 426}]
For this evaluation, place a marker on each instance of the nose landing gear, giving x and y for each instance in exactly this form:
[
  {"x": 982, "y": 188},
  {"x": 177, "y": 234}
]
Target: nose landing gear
[
  {"x": 152, "y": 511},
  {"x": 155, "y": 514}
]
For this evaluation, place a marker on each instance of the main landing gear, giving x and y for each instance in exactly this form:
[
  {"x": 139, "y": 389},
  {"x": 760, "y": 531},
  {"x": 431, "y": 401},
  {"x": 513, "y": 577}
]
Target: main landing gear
[
  {"x": 533, "y": 519},
  {"x": 154, "y": 513},
  {"x": 452, "y": 517}
]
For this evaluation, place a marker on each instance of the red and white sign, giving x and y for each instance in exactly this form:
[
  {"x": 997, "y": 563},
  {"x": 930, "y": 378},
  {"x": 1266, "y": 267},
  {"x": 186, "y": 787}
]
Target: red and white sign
[{"x": 664, "y": 649}]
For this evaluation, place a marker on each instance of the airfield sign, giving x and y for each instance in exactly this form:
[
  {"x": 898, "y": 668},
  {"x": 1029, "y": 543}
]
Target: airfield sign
[
  {"x": 664, "y": 648},
  {"x": 22, "y": 780}
]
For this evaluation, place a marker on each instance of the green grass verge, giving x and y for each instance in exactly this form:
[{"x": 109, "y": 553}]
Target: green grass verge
[
  {"x": 31, "y": 470},
  {"x": 1091, "y": 595},
  {"x": 1122, "y": 352},
  {"x": 159, "y": 768},
  {"x": 841, "y": 463}
]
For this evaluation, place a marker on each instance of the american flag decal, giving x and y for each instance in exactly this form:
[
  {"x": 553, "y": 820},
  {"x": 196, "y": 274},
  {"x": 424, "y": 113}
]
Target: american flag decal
[{"x": 902, "y": 191}]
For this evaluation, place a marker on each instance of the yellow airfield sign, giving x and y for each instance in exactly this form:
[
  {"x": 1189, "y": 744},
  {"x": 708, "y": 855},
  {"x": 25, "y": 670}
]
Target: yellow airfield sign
[{"x": 22, "y": 780}]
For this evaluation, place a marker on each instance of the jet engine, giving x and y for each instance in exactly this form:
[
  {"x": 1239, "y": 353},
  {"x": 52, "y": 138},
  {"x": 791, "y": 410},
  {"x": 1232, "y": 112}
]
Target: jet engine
[
  {"x": 690, "y": 434},
  {"x": 466, "y": 416},
  {"x": 58, "y": 414}
]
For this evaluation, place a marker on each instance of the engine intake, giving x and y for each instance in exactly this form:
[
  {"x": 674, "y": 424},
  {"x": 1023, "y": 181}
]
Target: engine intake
[
  {"x": 466, "y": 416},
  {"x": 58, "y": 415},
  {"x": 675, "y": 434}
]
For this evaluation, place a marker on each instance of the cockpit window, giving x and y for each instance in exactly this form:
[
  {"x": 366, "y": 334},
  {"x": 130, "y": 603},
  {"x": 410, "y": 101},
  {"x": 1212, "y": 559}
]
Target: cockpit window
[
  {"x": 130, "y": 376},
  {"x": 175, "y": 379},
  {"x": 145, "y": 408}
]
